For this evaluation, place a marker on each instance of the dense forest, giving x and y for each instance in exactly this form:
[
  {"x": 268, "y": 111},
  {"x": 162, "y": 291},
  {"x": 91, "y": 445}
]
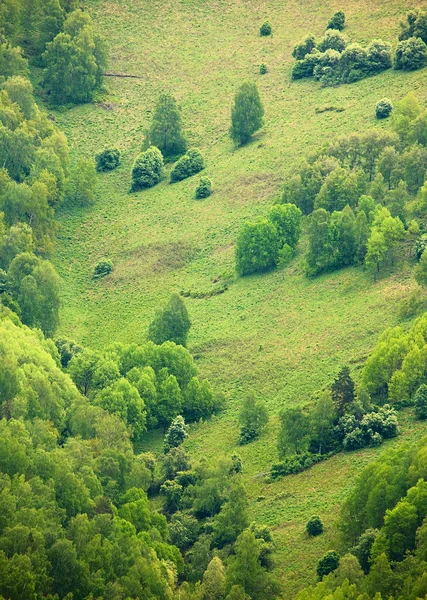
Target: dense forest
[{"x": 120, "y": 474}]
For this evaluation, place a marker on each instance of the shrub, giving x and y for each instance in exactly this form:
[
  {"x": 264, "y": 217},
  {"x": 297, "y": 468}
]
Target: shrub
[
  {"x": 353, "y": 64},
  {"x": 171, "y": 323},
  {"x": 257, "y": 247},
  {"x": 102, "y": 268},
  {"x": 165, "y": 131},
  {"x": 305, "y": 67},
  {"x": 176, "y": 434},
  {"x": 379, "y": 57},
  {"x": 295, "y": 463},
  {"x": 314, "y": 526},
  {"x": 253, "y": 418},
  {"x": 337, "y": 21},
  {"x": 204, "y": 189},
  {"x": 411, "y": 55},
  {"x": 326, "y": 67},
  {"x": 333, "y": 40},
  {"x": 188, "y": 165},
  {"x": 383, "y": 108},
  {"x": 107, "y": 160},
  {"x": 265, "y": 29},
  {"x": 303, "y": 48},
  {"x": 263, "y": 69},
  {"x": 328, "y": 563},
  {"x": 147, "y": 169}
]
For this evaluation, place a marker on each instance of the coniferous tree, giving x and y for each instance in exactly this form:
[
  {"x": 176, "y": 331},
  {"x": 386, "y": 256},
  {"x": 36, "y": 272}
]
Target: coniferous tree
[
  {"x": 165, "y": 131},
  {"x": 246, "y": 114},
  {"x": 170, "y": 323},
  {"x": 342, "y": 391},
  {"x": 176, "y": 434}
]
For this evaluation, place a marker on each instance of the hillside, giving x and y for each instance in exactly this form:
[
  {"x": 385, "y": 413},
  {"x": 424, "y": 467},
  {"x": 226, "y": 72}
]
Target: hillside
[{"x": 283, "y": 338}]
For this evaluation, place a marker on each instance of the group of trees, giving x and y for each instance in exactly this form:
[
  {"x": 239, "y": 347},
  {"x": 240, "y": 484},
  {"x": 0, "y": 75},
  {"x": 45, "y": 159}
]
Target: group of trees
[
  {"x": 340, "y": 419},
  {"x": 75, "y": 515},
  {"x": 384, "y": 525},
  {"x": 59, "y": 37},
  {"x": 266, "y": 243},
  {"x": 332, "y": 60}
]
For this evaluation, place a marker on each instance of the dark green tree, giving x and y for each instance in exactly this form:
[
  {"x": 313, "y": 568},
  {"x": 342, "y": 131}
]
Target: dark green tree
[
  {"x": 147, "y": 169},
  {"x": 328, "y": 563},
  {"x": 314, "y": 526},
  {"x": 411, "y": 54},
  {"x": 294, "y": 431},
  {"x": 420, "y": 400},
  {"x": 176, "y": 434},
  {"x": 257, "y": 247},
  {"x": 171, "y": 323},
  {"x": 246, "y": 114},
  {"x": 342, "y": 391},
  {"x": 253, "y": 417},
  {"x": 287, "y": 218},
  {"x": 166, "y": 127},
  {"x": 337, "y": 21}
]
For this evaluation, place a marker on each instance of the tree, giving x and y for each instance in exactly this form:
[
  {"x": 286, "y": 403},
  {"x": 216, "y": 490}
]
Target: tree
[
  {"x": 107, "y": 160},
  {"x": 232, "y": 518},
  {"x": 287, "y": 218},
  {"x": 18, "y": 239},
  {"x": 204, "y": 188},
  {"x": 257, "y": 247},
  {"x": 253, "y": 417},
  {"x": 383, "y": 108},
  {"x": 34, "y": 284},
  {"x": 294, "y": 431},
  {"x": 82, "y": 181},
  {"x": 376, "y": 251},
  {"x": 328, "y": 563},
  {"x": 20, "y": 91},
  {"x": 420, "y": 400},
  {"x": 11, "y": 61},
  {"x": 165, "y": 131},
  {"x": 170, "y": 323},
  {"x": 411, "y": 54},
  {"x": 246, "y": 114},
  {"x": 147, "y": 169},
  {"x": 322, "y": 418},
  {"x": 342, "y": 391},
  {"x": 213, "y": 583},
  {"x": 337, "y": 21},
  {"x": 122, "y": 399},
  {"x": 318, "y": 254},
  {"x": 187, "y": 166},
  {"x": 176, "y": 434},
  {"x": 314, "y": 526}
]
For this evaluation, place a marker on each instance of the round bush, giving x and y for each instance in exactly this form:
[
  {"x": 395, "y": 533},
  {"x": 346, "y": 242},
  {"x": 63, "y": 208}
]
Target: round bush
[
  {"x": 107, "y": 160},
  {"x": 383, "y": 108},
  {"x": 188, "y": 165},
  {"x": 337, "y": 21},
  {"x": 333, "y": 40},
  {"x": 147, "y": 169},
  {"x": 263, "y": 69},
  {"x": 305, "y": 67},
  {"x": 328, "y": 563},
  {"x": 265, "y": 29},
  {"x": 102, "y": 268},
  {"x": 314, "y": 526},
  {"x": 411, "y": 55},
  {"x": 204, "y": 189}
]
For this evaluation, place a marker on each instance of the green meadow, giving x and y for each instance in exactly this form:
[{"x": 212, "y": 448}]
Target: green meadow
[{"x": 281, "y": 335}]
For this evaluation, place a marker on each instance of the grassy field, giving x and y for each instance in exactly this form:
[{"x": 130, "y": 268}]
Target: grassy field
[{"x": 286, "y": 337}]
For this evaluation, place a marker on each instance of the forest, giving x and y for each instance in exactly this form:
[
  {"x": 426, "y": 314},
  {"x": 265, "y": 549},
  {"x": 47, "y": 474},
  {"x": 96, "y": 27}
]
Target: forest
[{"x": 213, "y": 326}]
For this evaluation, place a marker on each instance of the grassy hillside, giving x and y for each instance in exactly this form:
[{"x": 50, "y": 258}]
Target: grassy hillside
[{"x": 283, "y": 338}]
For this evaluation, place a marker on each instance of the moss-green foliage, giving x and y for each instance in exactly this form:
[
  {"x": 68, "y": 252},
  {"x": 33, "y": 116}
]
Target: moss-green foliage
[
  {"x": 165, "y": 131},
  {"x": 411, "y": 54},
  {"x": 74, "y": 61},
  {"x": 314, "y": 526},
  {"x": 257, "y": 247},
  {"x": 108, "y": 159},
  {"x": 102, "y": 268},
  {"x": 265, "y": 29},
  {"x": 147, "y": 169},
  {"x": 171, "y": 323},
  {"x": 204, "y": 188},
  {"x": 188, "y": 165},
  {"x": 246, "y": 114},
  {"x": 253, "y": 417},
  {"x": 337, "y": 21},
  {"x": 383, "y": 108}
]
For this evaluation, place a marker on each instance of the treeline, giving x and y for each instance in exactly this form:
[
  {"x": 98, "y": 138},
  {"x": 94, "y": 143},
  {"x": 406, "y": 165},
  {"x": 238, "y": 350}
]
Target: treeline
[
  {"x": 333, "y": 61},
  {"x": 383, "y": 523},
  {"x": 59, "y": 37},
  {"x": 75, "y": 518}
]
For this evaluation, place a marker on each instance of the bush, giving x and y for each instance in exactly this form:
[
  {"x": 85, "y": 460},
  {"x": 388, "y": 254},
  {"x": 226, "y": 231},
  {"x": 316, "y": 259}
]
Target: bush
[
  {"x": 411, "y": 55},
  {"x": 263, "y": 69},
  {"x": 296, "y": 463},
  {"x": 337, "y": 21},
  {"x": 379, "y": 57},
  {"x": 265, "y": 29},
  {"x": 204, "y": 189},
  {"x": 326, "y": 67},
  {"x": 354, "y": 64},
  {"x": 301, "y": 50},
  {"x": 383, "y": 108},
  {"x": 328, "y": 563},
  {"x": 102, "y": 268},
  {"x": 257, "y": 247},
  {"x": 333, "y": 40},
  {"x": 246, "y": 114},
  {"x": 314, "y": 526},
  {"x": 147, "y": 169},
  {"x": 305, "y": 67},
  {"x": 107, "y": 160},
  {"x": 253, "y": 418},
  {"x": 188, "y": 165}
]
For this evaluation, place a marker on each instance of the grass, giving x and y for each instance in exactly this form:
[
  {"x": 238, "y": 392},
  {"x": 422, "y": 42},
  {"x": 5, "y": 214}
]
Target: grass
[{"x": 283, "y": 338}]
